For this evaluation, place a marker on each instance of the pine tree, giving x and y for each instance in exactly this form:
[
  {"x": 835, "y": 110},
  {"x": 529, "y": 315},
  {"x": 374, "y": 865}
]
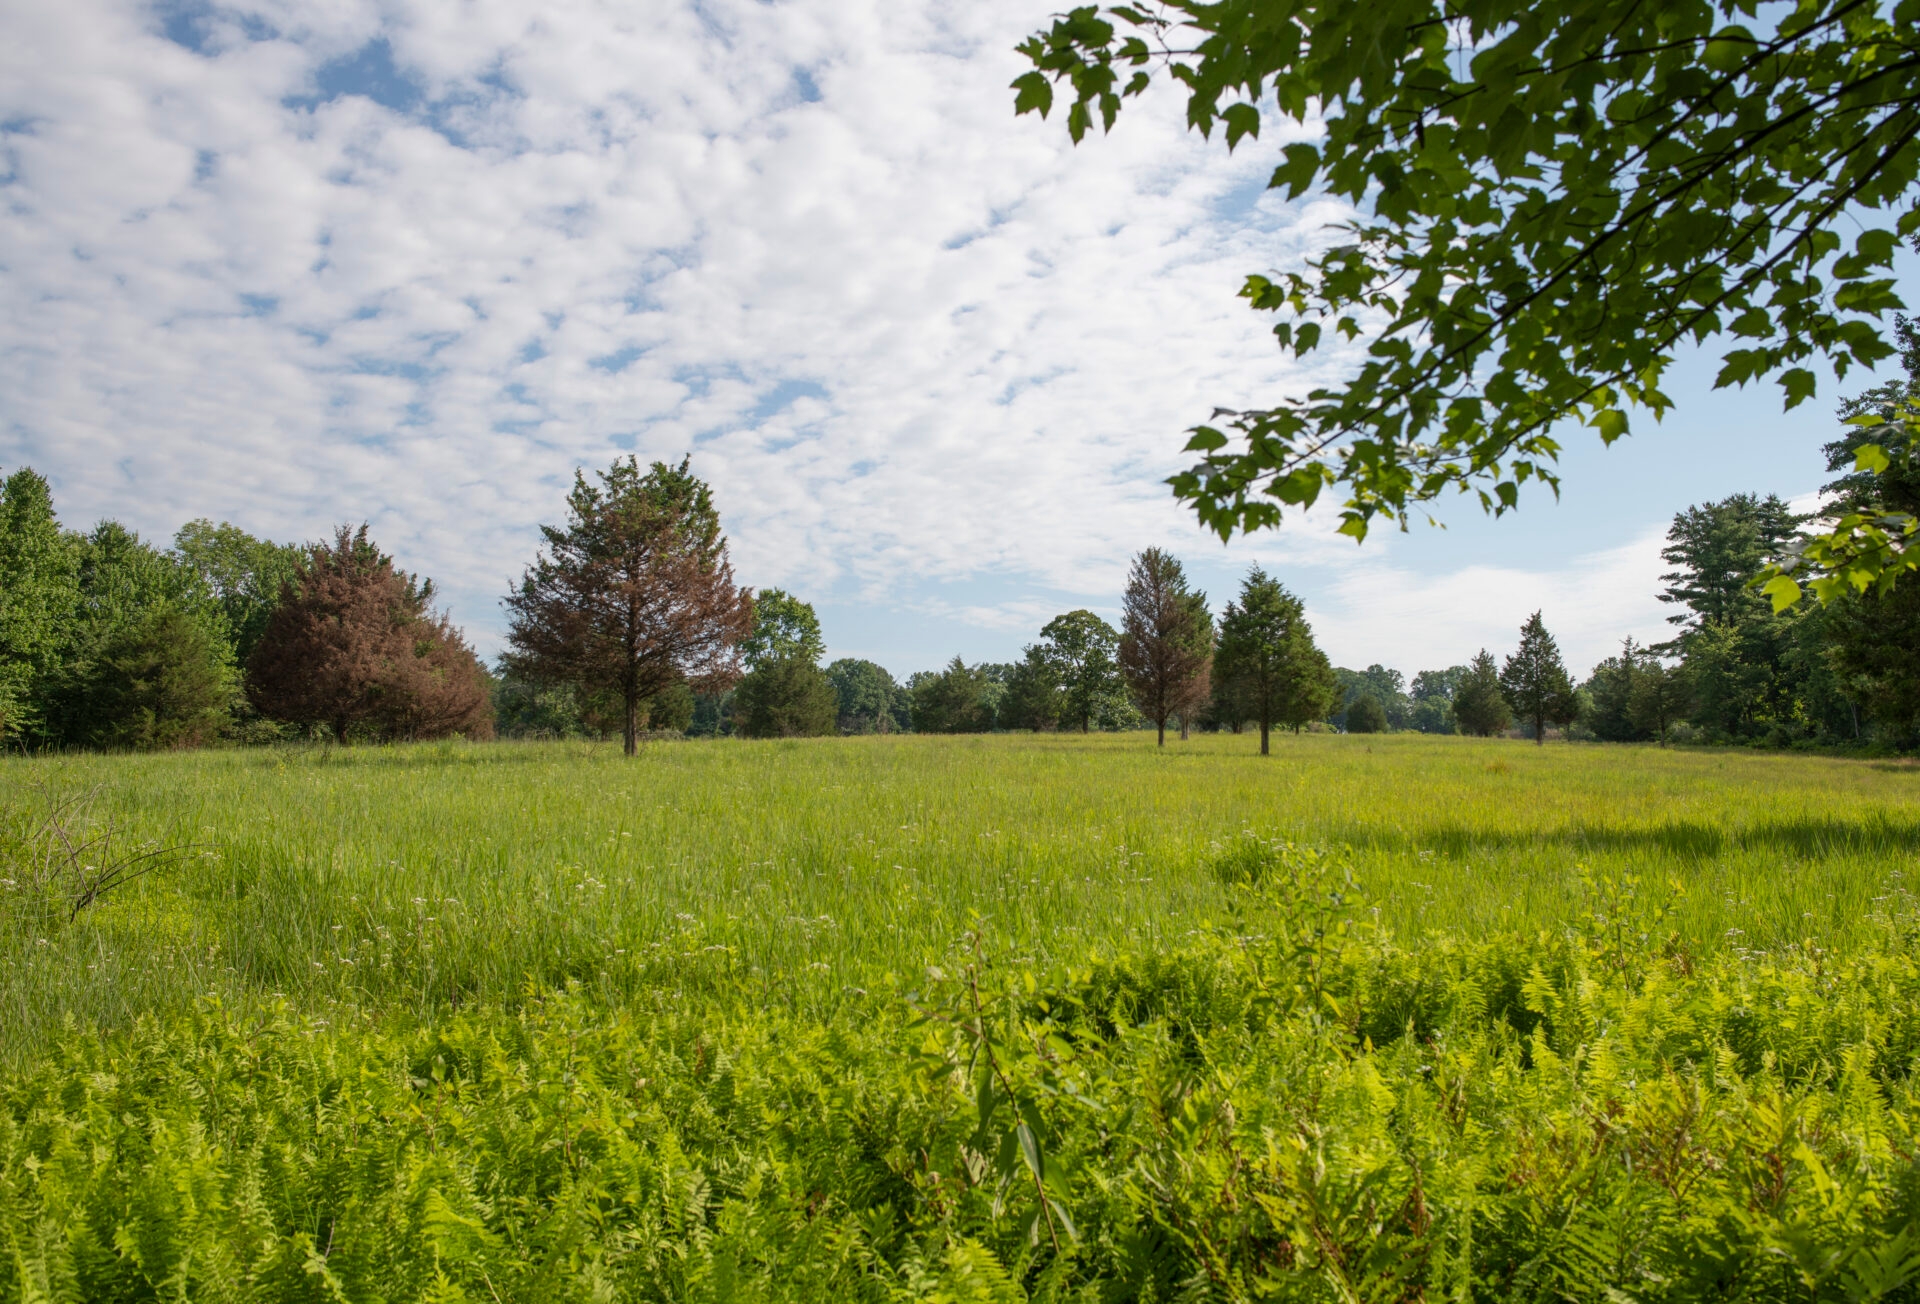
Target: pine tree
[
  {"x": 1166, "y": 639},
  {"x": 1267, "y": 661},
  {"x": 634, "y": 595},
  {"x": 1535, "y": 680},
  {"x": 1478, "y": 704}
]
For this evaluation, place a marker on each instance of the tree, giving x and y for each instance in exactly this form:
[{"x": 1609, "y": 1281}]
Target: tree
[
  {"x": 1166, "y": 640},
  {"x": 785, "y": 693},
  {"x": 243, "y": 575},
  {"x": 353, "y": 646},
  {"x": 1432, "y": 692},
  {"x": 783, "y": 627},
  {"x": 163, "y": 680},
  {"x": 1082, "y": 650},
  {"x": 1478, "y": 703},
  {"x": 1610, "y": 690},
  {"x": 39, "y": 591},
  {"x": 634, "y": 595},
  {"x": 1553, "y": 198},
  {"x": 1033, "y": 698},
  {"x": 1266, "y": 651},
  {"x": 1378, "y": 682},
  {"x": 1716, "y": 550},
  {"x": 1660, "y": 697},
  {"x": 1535, "y": 680},
  {"x": 1365, "y": 715},
  {"x": 952, "y": 700},
  {"x": 785, "y": 696},
  {"x": 866, "y": 696}
]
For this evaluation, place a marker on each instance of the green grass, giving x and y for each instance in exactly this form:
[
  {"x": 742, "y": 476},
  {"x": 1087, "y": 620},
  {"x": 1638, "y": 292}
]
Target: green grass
[
  {"x": 419, "y": 878},
  {"x": 946, "y": 1019}
]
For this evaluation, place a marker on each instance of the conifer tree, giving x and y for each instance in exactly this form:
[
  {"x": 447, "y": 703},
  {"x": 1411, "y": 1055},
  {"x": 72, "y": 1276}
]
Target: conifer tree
[
  {"x": 1479, "y": 706},
  {"x": 39, "y": 591},
  {"x": 1267, "y": 655},
  {"x": 635, "y": 594},
  {"x": 1536, "y": 682},
  {"x": 1166, "y": 640}
]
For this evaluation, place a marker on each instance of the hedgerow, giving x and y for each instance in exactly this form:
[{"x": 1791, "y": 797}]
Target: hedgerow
[{"x": 1294, "y": 1106}]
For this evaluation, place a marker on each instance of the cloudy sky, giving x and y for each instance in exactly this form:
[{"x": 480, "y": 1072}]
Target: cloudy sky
[{"x": 412, "y": 262}]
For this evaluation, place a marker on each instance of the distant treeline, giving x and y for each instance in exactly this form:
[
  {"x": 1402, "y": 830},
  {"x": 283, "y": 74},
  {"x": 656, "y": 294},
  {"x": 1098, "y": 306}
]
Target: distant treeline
[{"x": 629, "y": 623}]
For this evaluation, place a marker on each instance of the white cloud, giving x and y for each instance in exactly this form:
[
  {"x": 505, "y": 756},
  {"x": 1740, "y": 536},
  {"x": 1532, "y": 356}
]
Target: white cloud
[{"x": 910, "y": 338}]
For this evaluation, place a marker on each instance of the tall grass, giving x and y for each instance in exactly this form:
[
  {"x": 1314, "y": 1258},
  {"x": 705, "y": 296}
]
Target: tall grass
[{"x": 414, "y": 880}]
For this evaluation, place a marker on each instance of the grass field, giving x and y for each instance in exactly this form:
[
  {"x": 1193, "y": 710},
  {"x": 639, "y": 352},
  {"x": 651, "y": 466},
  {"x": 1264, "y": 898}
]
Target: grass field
[
  {"x": 421, "y": 877},
  {"x": 533, "y": 1021}
]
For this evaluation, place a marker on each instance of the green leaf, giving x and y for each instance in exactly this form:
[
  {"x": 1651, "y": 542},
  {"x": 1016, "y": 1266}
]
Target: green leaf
[
  {"x": 1034, "y": 94},
  {"x": 1298, "y": 172},
  {"x": 1783, "y": 590},
  {"x": 1871, "y": 457},
  {"x": 1242, "y": 120},
  {"x": 1799, "y": 384}
]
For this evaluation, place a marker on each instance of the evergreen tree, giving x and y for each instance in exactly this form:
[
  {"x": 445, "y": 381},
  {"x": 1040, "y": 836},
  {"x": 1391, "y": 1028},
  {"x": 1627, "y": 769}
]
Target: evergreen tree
[
  {"x": 633, "y": 595},
  {"x": 1267, "y": 654},
  {"x": 243, "y": 576},
  {"x": 163, "y": 680},
  {"x": 39, "y": 593},
  {"x": 952, "y": 700},
  {"x": 1033, "y": 698},
  {"x": 1535, "y": 680},
  {"x": 1478, "y": 703},
  {"x": 352, "y": 645},
  {"x": 1610, "y": 691},
  {"x": 1661, "y": 697},
  {"x": 1166, "y": 641},
  {"x": 785, "y": 696}
]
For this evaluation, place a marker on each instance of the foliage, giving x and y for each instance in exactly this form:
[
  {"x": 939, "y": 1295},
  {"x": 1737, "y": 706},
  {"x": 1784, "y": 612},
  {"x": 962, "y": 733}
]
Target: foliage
[
  {"x": 1717, "y": 550},
  {"x": 1081, "y": 650},
  {"x": 1610, "y": 694},
  {"x": 37, "y": 600},
  {"x": 1386, "y": 687},
  {"x": 243, "y": 575},
  {"x": 1535, "y": 682},
  {"x": 953, "y": 700},
  {"x": 786, "y": 697},
  {"x": 783, "y": 628},
  {"x": 352, "y": 646},
  {"x": 1479, "y": 704},
  {"x": 1166, "y": 640},
  {"x": 1033, "y": 698},
  {"x": 165, "y": 679},
  {"x": 1297, "y": 1107},
  {"x": 634, "y": 595},
  {"x": 1552, "y": 200},
  {"x": 1431, "y": 695},
  {"x": 869, "y": 701},
  {"x": 1279, "y": 675},
  {"x": 1365, "y": 715},
  {"x": 1659, "y": 697}
]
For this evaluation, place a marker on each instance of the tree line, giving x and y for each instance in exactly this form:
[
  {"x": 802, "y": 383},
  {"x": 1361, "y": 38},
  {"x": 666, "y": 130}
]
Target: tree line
[{"x": 629, "y": 622}]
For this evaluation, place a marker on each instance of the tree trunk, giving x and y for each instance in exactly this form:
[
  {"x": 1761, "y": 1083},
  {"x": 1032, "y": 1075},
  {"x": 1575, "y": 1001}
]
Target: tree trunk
[
  {"x": 1539, "y": 731},
  {"x": 1263, "y": 737},
  {"x": 1163, "y": 731},
  {"x": 631, "y": 741},
  {"x": 1183, "y": 726}
]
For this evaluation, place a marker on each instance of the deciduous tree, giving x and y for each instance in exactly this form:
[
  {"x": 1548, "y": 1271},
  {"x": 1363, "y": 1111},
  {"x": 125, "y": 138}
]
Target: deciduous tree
[
  {"x": 39, "y": 592},
  {"x": 1536, "y": 682},
  {"x": 1551, "y": 200},
  {"x": 952, "y": 700},
  {"x": 866, "y": 696},
  {"x": 635, "y": 592},
  {"x": 1082, "y": 649},
  {"x": 1166, "y": 640}
]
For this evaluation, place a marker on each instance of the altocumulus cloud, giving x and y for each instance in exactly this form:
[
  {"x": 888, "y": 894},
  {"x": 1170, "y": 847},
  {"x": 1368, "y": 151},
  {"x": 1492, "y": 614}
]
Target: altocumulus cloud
[{"x": 291, "y": 264}]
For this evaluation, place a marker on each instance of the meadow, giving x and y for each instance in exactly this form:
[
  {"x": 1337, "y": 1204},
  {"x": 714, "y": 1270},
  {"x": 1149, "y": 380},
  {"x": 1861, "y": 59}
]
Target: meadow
[{"x": 1051, "y": 1016}]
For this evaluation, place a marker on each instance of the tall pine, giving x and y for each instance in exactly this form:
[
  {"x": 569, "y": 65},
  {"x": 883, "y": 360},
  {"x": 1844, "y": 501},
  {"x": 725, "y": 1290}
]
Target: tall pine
[{"x": 1536, "y": 682}]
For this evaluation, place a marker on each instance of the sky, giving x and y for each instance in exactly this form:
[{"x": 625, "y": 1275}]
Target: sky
[{"x": 292, "y": 265}]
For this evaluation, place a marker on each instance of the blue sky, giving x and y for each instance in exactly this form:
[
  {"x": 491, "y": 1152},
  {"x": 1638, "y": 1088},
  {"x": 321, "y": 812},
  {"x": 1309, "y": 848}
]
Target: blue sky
[{"x": 289, "y": 265}]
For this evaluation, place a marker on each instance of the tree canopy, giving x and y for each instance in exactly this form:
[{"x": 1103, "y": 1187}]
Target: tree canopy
[
  {"x": 1550, "y": 199},
  {"x": 1166, "y": 640},
  {"x": 1267, "y": 653}
]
